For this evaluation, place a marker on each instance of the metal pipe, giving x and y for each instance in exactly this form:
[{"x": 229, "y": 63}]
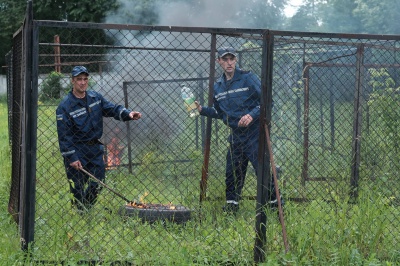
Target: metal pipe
[
  {"x": 204, "y": 171},
  {"x": 281, "y": 219},
  {"x": 106, "y": 186}
]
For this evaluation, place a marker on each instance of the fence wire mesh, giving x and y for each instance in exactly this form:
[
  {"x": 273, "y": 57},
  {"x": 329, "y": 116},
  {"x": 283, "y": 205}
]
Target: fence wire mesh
[
  {"x": 15, "y": 118},
  {"x": 333, "y": 130}
]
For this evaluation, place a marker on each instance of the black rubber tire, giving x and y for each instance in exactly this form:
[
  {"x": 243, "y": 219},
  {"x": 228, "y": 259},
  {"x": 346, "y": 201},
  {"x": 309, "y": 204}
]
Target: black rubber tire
[{"x": 178, "y": 215}]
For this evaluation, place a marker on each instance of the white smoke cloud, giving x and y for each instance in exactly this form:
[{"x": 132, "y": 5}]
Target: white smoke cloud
[{"x": 206, "y": 13}]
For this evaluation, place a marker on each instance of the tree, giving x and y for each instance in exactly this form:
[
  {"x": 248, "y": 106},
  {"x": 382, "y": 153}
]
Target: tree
[
  {"x": 144, "y": 13},
  {"x": 347, "y": 16},
  {"x": 338, "y": 16},
  {"x": 307, "y": 17},
  {"x": 265, "y": 14},
  {"x": 12, "y": 14},
  {"x": 11, "y": 17},
  {"x": 76, "y": 10},
  {"x": 377, "y": 16},
  {"x": 51, "y": 88}
]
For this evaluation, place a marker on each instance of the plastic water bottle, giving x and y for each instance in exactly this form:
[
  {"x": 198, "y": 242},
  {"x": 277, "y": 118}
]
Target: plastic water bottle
[{"x": 188, "y": 99}]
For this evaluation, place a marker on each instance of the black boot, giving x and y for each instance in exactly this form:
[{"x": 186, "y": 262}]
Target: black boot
[{"x": 230, "y": 208}]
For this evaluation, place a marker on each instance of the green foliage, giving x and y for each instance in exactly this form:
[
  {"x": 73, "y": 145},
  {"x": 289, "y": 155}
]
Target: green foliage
[
  {"x": 144, "y": 13},
  {"x": 77, "y": 10},
  {"x": 355, "y": 16},
  {"x": 381, "y": 138},
  {"x": 306, "y": 18},
  {"x": 384, "y": 111},
  {"x": 377, "y": 16},
  {"x": 380, "y": 79},
  {"x": 51, "y": 88},
  {"x": 11, "y": 17},
  {"x": 252, "y": 57},
  {"x": 384, "y": 102},
  {"x": 3, "y": 98},
  {"x": 352, "y": 234},
  {"x": 338, "y": 16},
  {"x": 10, "y": 252}
]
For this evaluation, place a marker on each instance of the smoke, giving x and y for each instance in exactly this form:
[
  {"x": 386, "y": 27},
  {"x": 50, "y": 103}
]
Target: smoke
[
  {"x": 164, "y": 58},
  {"x": 205, "y": 13}
]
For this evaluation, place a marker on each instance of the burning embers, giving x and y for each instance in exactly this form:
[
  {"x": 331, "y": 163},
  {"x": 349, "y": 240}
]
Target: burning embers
[
  {"x": 143, "y": 205},
  {"x": 152, "y": 206}
]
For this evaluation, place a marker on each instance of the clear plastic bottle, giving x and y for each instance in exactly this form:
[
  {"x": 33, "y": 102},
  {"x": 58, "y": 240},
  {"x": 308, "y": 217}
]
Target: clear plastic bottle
[{"x": 188, "y": 99}]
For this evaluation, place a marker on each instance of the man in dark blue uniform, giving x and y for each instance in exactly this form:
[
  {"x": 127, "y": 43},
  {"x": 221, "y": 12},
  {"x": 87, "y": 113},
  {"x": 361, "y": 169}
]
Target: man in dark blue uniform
[
  {"x": 80, "y": 126},
  {"x": 237, "y": 96}
]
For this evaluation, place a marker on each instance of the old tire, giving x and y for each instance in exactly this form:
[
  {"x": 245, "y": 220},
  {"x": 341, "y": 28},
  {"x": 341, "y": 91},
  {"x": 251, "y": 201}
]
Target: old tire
[{"x": 178, "y": 215}]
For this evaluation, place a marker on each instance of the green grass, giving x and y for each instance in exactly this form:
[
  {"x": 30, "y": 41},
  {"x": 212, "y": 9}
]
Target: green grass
[
  {"x": 10, "y": 249},
  {"x": 319, "y": 232}
]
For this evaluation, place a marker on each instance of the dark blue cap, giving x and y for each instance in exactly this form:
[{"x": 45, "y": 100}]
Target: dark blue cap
[
  {"x": 76, "y": 71},
  {"x": 226, "y": 50}
]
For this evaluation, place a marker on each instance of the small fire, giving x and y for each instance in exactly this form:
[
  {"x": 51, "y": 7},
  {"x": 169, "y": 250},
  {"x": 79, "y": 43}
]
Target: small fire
[
  {"x": 143, "y": 205},
  {"x": 151, "y": 206},
  {"x": 114, "y": 152}
]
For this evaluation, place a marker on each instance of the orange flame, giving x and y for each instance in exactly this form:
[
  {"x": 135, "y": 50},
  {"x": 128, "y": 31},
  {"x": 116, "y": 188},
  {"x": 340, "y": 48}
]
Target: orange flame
[{"x": 114, "y": 153}]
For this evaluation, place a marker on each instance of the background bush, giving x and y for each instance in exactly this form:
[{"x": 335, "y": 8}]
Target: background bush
[{"x": 51, "y": 88}]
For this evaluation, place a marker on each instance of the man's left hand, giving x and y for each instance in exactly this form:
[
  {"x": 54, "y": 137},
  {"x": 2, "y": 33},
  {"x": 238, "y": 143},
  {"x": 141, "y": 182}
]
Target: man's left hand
[
  {"x": 135, "y": 115},
  {"x": 245, "y": 120}
]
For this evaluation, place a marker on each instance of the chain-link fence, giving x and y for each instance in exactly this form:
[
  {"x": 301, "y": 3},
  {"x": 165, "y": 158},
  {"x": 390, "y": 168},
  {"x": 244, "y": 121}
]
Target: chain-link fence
[
  {"x": 333, "y": 124},
  {"x": 15, "y": 103}
]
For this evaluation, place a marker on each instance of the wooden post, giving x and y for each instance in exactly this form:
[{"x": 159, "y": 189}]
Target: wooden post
[{"x": 57, "y": 56}]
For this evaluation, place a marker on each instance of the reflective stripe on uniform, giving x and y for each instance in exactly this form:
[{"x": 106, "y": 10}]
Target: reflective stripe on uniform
[{"x": 67, "y": 153}]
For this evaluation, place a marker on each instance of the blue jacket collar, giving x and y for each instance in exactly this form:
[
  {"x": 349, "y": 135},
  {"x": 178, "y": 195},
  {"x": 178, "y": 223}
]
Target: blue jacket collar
[{"x": 236, "y": 76}]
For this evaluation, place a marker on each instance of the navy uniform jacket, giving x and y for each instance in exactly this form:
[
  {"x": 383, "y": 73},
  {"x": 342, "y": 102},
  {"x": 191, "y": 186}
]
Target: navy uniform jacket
[
  {"x": 234, "y": 99},
  {"x": 80, "y": 121}
]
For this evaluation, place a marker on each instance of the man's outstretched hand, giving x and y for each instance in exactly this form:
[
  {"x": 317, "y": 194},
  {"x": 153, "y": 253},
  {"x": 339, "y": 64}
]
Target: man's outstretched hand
[
  {"x": 135, "y": 115},
  {"x": 198, "y": 106}
]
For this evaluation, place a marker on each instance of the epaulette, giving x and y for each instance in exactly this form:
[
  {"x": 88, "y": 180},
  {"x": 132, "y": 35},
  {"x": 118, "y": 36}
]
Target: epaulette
[{"x": 244, "y": 71}]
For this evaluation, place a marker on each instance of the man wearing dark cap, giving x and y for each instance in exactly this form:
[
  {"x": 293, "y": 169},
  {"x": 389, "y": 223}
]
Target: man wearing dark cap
[
  {"x": 236, "y": 98},
  {"x": 80, "y": 126}
]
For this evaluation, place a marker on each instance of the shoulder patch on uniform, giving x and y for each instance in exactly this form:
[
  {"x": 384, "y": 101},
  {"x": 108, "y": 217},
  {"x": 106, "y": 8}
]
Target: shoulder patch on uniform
[{"x": 59, "y": 117}]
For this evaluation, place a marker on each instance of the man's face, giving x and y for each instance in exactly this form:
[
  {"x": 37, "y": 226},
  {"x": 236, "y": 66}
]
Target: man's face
[
  {"x": 80, "y": 83},
  {"x": 227, "y": 62}
]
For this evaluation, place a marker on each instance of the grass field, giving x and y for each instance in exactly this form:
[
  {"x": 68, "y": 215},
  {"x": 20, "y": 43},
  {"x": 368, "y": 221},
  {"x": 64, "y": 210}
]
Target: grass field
[
  {"x": 319, "y": 232},
  {"x": 10, "y": 249}
]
